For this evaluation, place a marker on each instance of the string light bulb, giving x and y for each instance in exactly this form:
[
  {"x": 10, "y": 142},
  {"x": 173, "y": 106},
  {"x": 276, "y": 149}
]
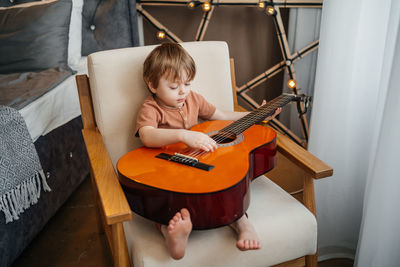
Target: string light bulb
[
  {"x": 161, "y": 35},
  {"x": 191, "y": 4},
  {"x": 206, "y": 6},
  {"x": 291, "y": 83},
  {"x": 270, "y": 11},
  {"x": 261, "y": 5}
]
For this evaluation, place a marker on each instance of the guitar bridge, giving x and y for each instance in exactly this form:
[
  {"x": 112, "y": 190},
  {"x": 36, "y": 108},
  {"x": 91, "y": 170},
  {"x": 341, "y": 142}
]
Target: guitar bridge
[{"x": 185, "y": 160}]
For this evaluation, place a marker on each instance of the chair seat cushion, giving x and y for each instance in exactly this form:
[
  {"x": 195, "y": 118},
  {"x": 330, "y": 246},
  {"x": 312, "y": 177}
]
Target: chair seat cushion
[{"x": 287, "y": 231}]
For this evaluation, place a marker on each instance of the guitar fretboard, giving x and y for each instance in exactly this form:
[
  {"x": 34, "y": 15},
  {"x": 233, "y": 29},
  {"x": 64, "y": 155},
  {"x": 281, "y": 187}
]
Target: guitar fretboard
[{"x": 258, "y": 115}]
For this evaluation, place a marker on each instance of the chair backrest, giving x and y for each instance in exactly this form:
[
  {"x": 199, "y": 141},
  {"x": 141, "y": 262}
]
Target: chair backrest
[{"x": 118, "y": 89}]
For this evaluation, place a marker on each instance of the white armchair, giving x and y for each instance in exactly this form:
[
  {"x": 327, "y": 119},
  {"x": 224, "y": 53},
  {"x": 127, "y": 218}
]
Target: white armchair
[{"x": 110, "y": 98}]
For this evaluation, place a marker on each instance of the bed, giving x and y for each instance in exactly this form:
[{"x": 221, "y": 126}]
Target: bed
[{"x": 38, "y": 80}]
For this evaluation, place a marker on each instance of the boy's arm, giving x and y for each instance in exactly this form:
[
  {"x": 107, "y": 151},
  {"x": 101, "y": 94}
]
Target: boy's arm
[
  {"x": 156, "y": 137},
  {"x": 234, "y": 115},
  {"x": 227, "y": 115}
]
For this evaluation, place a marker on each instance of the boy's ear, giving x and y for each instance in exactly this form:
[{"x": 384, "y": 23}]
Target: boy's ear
[{"x": 151, "y": 87}]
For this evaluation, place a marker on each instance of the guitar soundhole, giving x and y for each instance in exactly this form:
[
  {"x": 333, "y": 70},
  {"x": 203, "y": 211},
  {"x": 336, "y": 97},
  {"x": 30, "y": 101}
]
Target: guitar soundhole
[{"x": 223, "y": 138}]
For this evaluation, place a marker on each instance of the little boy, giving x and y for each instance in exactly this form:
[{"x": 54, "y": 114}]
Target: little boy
[{"x": 165, "y": 118}]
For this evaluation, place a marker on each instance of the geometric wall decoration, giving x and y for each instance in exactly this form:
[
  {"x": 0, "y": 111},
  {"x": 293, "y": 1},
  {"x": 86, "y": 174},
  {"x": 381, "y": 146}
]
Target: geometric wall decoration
[{"x": 271, "y": 8}]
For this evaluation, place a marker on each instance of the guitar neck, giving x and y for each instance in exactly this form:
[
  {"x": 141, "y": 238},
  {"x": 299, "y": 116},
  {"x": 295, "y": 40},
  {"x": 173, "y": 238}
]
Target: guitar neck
[{"x": 259, "y": 114}]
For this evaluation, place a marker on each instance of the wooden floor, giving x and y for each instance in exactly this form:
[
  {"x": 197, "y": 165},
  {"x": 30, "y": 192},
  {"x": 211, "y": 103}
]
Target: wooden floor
[{"x": 73, "y": 238}]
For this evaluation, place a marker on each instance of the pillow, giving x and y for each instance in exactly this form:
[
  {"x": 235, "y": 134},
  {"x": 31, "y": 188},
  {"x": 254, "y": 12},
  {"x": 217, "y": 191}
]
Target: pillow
[
  {"x": 108, "y": 25},
  {"x": 75, "y": 33},
  {"x": 34, "y": 36}
]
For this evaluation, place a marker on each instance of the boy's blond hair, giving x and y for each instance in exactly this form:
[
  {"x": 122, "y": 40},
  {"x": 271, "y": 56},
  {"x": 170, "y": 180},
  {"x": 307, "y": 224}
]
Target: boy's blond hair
[{"x": 170, "y": 59}]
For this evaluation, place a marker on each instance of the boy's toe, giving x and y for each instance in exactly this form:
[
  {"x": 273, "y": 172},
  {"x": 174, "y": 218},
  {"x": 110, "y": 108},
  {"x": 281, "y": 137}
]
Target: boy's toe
[{"x": 185, "y": 214}]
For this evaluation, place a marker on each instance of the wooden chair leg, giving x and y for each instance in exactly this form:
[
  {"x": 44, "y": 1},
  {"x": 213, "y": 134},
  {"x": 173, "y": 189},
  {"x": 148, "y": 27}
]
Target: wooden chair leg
[
  {"x": 120, "y": 249},
  {"x": 104, "y": 228},
  {"x": 309, "y": 202},
  {"x": 308, "y": 194},
  {"x": 312, "y": 260}
]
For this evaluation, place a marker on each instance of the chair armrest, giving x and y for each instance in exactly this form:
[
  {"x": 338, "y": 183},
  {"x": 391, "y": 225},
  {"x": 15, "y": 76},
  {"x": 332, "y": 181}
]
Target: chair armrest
[
  {"x": 303, "y": 158},
  {"x": 113, "y": 201}
]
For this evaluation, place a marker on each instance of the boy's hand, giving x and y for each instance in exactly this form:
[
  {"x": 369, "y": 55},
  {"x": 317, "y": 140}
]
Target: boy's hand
[
  {"x": 277, "y": 111},
  {"x": 199, "y": 140}
]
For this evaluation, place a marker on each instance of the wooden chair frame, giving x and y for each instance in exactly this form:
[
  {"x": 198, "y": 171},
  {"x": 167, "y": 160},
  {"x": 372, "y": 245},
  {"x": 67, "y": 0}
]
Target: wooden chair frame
[{"x": 114, "y": 208}]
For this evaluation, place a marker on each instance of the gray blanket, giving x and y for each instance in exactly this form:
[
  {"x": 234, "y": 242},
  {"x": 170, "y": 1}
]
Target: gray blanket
[{"x": 21, "y": 175}]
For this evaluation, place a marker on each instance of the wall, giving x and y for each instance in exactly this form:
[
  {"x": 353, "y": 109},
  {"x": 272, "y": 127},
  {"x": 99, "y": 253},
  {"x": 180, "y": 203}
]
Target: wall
[{"x": 249, "y": 32}]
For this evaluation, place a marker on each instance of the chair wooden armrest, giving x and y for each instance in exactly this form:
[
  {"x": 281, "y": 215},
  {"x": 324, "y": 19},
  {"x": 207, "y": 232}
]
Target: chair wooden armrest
[
  {"x": 303, "y": 158},
  {"x": 113, "y": 206},
  {"x": 112, "y": 199},
  {"x": 113, "y": 203}
]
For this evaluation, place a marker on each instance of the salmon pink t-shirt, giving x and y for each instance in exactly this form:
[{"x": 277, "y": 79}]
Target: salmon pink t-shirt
[{"x": 154, "y": 114}]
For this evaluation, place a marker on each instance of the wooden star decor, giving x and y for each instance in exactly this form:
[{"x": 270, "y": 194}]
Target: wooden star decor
[{"x": 271, "y": 8}]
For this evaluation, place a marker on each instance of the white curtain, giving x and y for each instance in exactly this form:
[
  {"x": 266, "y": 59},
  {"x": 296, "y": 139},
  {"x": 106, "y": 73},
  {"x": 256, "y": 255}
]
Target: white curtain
[
  {"x": 355, "y": 128},
  {"x": 379, "y": 242}
]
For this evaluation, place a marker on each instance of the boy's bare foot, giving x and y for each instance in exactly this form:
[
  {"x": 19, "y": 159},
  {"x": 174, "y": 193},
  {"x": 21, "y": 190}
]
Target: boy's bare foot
[
  {"x": 247, "y": 236},
  {"x": 177, "y": 233}
]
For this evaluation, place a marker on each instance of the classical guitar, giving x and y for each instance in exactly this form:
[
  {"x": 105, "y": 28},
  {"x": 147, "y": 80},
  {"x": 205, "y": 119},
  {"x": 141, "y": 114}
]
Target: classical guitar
[{"x": 213, "y": 186}]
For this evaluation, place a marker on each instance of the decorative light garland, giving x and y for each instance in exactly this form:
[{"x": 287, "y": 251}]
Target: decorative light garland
[{"x": 271, "y": 8}]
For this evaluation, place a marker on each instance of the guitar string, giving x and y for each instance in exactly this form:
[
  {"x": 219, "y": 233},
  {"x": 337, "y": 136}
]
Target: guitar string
[
  {"x": 254, "y": 116},
  {"x": 222, "y": 135},
  {"x": 226, "y": 135},
  {"x": 264, "y": 111},
  {"x": 267, "y": 109},
  {"x": 243, "y": 124}
]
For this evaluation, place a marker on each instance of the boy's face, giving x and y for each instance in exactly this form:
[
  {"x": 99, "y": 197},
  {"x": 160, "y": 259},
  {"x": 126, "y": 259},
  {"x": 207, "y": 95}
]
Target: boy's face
[{"x": 172, "y": 93}]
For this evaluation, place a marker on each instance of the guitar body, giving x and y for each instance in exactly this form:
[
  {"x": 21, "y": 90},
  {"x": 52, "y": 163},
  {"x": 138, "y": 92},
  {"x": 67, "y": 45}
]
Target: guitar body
[{"x": 157, "y": 188}]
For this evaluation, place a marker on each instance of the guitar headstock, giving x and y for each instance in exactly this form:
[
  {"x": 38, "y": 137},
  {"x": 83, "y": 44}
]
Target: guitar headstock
[
  {"x": 307, "y": 100},
  {"x": 301, "y": 97}
]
